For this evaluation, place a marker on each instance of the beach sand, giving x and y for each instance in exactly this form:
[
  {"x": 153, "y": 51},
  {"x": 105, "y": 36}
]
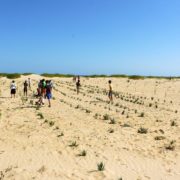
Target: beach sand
[{"x": 45, "y": 143}]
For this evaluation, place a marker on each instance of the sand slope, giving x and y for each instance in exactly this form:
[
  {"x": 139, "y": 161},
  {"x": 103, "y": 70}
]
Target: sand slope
[{"x": 32, "y": 147}]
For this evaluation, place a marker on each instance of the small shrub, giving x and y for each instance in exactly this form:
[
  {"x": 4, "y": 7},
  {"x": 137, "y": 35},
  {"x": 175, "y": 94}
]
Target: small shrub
[
  {"x": 57, "y": 128},
  {"x": 60, "y": 135},
  {"x": 141, "y": 115},
  {"x": 106, "y": 117},
  {"x": 126, "y": 125},
  {"x": 73, "y": 144},
  {"x": 159, "y": 138},
  {"x": 170, "y": 146},
  {"x": 51, "y": 123},
  {"x": 88, "y": 111},
  {"x": 77, "y": 107},
  {"x": 83, "y": 153},
  {"x": 112, "y": 121},
  {"x": 142, "y": 130},
  {"x": 101, "y": 166},
  {"x": 40, "y": 115},
  {"x": 173, "y": 123},
  {"x": 96, "y": 115},
  {"x": 111, "y": 130}
]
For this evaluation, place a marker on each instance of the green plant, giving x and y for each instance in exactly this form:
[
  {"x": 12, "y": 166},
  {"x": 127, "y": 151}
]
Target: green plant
[
  {"x": 106, "y": 117},
  {"x": 112, "y": 121},
  {"x": 142, "y": 130},
  {"x": 159, "y": 138},
  {"x": 88, "y": 111},
  {"x": 60, "y": 135},
  {"x": 77, "y": 107},
  {"x": 57, "y": 128},
  {"x": 111, "y": 130},
  {"x": 101, "y": 166},
  {"x": 40, "y": 115},
  {"x": 126, "y": 125},
  {"x": 142, "y": 114},
  {"x": 96, "y": 115},
  {"x": 173, "y": 123},
  {"x": 51, "y": 123},
  {"x": 73, "y": 144},
  {"x": 83, "y": 153},
  {"x": 170, "y": 146}
]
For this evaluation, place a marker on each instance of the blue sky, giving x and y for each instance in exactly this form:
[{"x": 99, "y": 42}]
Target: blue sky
[{"x": 90, "y": 36}]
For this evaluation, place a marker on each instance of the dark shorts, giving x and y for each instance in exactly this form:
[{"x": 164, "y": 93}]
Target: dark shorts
[
  {"x": 48, "y": 95},
  {"x": 110, "y": 93},
  {"x": 25, "y": 89},
  {"x": 13, "y": 91}
]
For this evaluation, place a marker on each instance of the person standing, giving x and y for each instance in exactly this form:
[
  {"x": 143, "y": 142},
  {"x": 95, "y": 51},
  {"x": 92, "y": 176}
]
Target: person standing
[
  {"x": 49, "y": 92},
  {"x": 78, "y": 84},
  {"x": 110, "y": 94},
  {"x": 25, "y": 88},
  {"x": 13, "y": 89},
  {"x": 29, "y": 83}
]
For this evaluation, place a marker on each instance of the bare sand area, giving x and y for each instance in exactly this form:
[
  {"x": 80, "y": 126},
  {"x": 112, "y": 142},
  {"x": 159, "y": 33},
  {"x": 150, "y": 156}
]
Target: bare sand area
[{"x": 136, "y": 138}]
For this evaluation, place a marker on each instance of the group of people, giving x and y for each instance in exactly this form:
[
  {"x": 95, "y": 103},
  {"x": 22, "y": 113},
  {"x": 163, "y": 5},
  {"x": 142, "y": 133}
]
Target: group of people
[
  {"x": 44, "y": 89},
  {"x": 13, "y": 87}
]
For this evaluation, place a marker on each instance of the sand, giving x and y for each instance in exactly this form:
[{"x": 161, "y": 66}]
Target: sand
[{"x": 38, "y": 143}]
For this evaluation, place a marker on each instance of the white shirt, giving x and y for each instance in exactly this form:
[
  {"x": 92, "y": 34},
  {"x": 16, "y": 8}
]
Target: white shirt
[{"x": 13, "y": 86}]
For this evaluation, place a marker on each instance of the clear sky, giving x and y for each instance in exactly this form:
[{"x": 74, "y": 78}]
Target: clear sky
[{"x": 90, "y": 36}]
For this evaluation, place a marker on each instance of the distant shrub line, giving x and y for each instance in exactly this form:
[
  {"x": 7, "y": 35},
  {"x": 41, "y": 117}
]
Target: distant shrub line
[
  {"x": 10, "y": 76},
  {"x": 57, "y": 75},
  {"x": 133, "y": 77}
]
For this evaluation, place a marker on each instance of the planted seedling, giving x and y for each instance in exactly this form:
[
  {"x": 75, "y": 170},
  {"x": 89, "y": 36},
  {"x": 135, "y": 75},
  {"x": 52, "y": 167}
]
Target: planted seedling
[
  {"x": 83, "y": 153},
  {"x": 142, "y": 130},
  {"x": 73, "y": 144}
]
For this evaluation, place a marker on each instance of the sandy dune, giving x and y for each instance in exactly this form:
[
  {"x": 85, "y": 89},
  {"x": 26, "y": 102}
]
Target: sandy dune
[{"x": 36, "y": 143}]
